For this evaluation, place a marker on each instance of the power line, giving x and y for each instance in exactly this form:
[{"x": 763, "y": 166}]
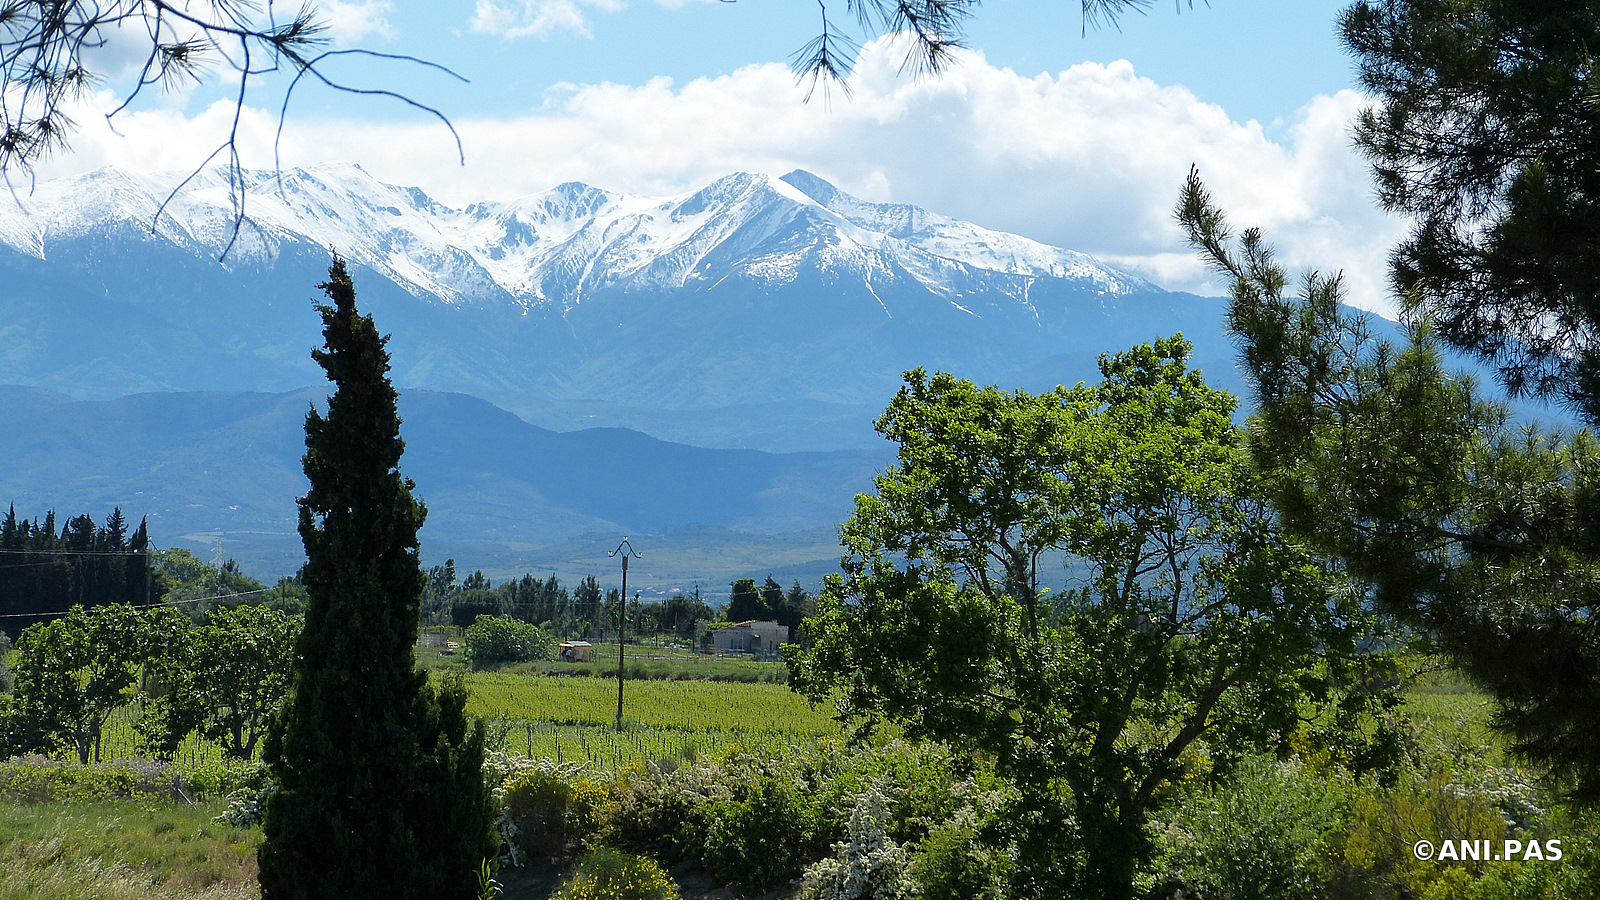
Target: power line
[
  {"x": 82, "y": 552},
  {"x": 62, "y": 612}
]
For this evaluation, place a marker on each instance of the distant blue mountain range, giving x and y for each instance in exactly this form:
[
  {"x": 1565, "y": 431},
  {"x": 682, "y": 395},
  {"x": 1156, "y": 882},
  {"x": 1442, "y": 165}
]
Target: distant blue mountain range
[
  {"x": 220, "y": 472},
  {"x": 754, "y": 314}
]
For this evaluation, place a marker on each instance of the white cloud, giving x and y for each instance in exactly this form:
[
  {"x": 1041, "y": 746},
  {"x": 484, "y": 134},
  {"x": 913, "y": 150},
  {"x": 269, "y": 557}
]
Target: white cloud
[
  {"x": 350, "y": 22},
  {"x": 535, "y": 18},
  {"x": 1091, "y": 158}
]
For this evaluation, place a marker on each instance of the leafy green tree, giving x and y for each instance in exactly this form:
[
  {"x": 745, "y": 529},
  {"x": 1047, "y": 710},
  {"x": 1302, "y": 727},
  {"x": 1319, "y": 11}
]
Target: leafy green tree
[
  {"x": 682, "y": 614},
  {"x": 772, "y": 594},
  {"x": 468, "y": 605},
  {"x": 181, "y": 577},
  {"x": 744, "y": 602},
  {"x": 1186, "y": 619},
  {"x": 1484, "y": 137},
  {"x": 73, "y": 672},
  {"x": 381, "y": 789},
  {"x": 1485, "y": 536},
  {"x": 589, "y": 599},
  {"x": 225, "y": 678},
  {"x": 179, "y": 569},
  {"x": 497, "y": 640},
  {"x": 287, "y": 595}
]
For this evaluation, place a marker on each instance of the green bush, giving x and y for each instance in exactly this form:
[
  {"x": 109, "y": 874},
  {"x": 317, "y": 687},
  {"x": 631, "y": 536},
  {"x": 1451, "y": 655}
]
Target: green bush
[
  {"x": 537, "y": 801},
  {"x": 5, "y": 667},
  {"x": 660, "y": 809},
  {"x": 551, "y": 808},
  {"x": 1263, "y": 835},
  {"x": 953, "y": 864},
  {"x": 34, "y": 779},
  {"x": 607, "y": 874},
  {"x": 498, "y": 640},
  {"x": 760, "y": 841},
  {"x": 868, "y": 864}
]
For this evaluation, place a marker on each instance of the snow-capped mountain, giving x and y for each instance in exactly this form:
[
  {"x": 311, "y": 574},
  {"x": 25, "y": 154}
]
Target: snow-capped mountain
[
  {"x": 554, "y": 247},
  {"x": 727, "y": 315}
]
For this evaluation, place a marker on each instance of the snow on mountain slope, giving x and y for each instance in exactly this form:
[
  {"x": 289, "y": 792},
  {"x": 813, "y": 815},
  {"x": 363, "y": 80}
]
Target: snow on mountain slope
[
  {"x": 559, "y": 246},
  {"x": 965, "y": 242}
]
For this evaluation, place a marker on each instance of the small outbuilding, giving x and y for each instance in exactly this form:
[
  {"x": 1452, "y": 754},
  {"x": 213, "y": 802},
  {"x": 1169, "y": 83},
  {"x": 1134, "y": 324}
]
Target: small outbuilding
[
  {"x": 576, "y": 651},
  {"x": 751, "y": 637}
]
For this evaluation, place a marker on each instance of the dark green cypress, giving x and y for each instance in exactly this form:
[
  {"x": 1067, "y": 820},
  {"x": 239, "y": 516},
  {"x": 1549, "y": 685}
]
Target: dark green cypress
[{"x": 380, "y": 780}]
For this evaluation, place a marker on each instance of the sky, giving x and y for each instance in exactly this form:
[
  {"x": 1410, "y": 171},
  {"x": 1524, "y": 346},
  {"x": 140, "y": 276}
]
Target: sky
[{"x": 1072, "y": 136}]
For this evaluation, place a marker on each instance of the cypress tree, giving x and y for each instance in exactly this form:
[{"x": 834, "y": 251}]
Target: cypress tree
[{"x": 380, "y": 780}]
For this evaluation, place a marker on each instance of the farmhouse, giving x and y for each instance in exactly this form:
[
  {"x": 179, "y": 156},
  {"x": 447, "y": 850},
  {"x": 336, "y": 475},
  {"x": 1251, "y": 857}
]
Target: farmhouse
[
  {"x": 755, "y": 636},
  {"x": 576, "y": 651}
]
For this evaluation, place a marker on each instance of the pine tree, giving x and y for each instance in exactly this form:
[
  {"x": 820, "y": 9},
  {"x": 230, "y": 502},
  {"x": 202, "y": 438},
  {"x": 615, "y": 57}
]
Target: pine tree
[
  {"x": 381, "y": 791},
  {"x": 1482, "y": 135}
]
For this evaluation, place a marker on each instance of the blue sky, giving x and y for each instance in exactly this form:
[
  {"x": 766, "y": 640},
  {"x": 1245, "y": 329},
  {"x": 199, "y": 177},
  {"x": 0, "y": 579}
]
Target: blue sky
[
  {"x": 1080, "y": 140},
  {"x": 1259, "y": 59}
]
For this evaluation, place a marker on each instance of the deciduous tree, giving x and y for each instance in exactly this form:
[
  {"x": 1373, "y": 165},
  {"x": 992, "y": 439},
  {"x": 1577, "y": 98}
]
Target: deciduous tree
[
  {"x": 73, "y": 672},
  {"x": 226, "y": 679},
  {"x": 744, "y": 601},
  {"x": 1186, "y": 618}
]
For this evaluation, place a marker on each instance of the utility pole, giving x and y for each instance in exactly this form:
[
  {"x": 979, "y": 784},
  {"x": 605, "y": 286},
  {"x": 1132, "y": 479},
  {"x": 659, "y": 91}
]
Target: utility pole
[{"x": 622, "y": 619}]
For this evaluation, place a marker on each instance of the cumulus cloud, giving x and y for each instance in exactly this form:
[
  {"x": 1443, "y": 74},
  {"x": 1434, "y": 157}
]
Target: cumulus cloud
[
  {"x": 513, "y": 19},
  {"x": 350, "y": 22},
  {"x": 1090, "y": 158}
]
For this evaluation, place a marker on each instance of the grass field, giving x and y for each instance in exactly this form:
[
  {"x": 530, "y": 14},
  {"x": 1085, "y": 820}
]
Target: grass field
[
  {"x": 683, "y": 705},
  {"x": 123, "y": 850}
]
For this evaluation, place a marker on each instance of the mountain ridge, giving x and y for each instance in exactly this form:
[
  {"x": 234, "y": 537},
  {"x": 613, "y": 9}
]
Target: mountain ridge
[
  {"x": 528, "y": 250},
  {"x": 220, "y": 471},
  {"x": 754, "y": 311}
]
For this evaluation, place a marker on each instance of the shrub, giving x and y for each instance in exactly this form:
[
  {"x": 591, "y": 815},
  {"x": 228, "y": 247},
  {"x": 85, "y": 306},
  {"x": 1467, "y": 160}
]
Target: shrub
[
  {"x": 660, "y": 808},
  {"x": 757, "y": 842},
  {"x": 35, "y": 779},
  {"x": 497, "y": 640},
  {"x": 586, "y": 807},
  {"x": 868, "y": 864},
  {"x": 547, "y": 808},
  {"x": 5, "y": 669},
  {"x": 607, "y": 874},
  {"x": 1383, "y": 826},
  {"x": 536, "y": 801},
  {"x": 1261, "y": 836},
  {"x": 953, "y": 864}
]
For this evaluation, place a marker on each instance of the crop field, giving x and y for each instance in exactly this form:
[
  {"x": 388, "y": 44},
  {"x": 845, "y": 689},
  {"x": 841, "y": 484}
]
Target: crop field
[
  {"x": 571, "y": 718},
  {"x": 606, "y": 751},
  {"x": 119, "y": 740},
  {"x": 682, "y": 705}
]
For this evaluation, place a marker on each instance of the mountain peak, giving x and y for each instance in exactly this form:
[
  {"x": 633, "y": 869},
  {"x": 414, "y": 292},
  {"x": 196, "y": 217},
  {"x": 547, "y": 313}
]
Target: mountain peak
[
  {"x": 812, "y": 186},
  {"x": 557, "y": 246}
]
